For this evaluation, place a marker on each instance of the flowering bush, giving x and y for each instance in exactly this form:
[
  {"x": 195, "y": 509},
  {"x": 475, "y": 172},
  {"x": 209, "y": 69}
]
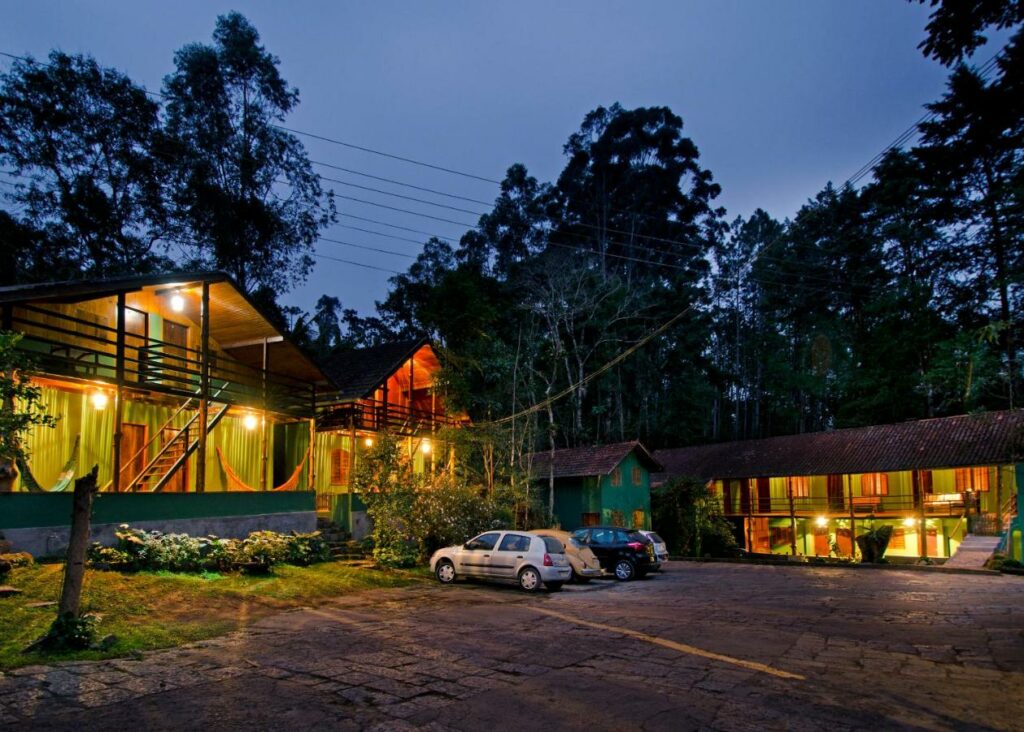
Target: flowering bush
[{"x": 153, "y": 550}]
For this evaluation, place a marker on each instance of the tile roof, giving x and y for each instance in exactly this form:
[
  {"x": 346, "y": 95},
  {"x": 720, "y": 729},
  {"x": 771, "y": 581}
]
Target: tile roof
[
  {"x": 580, "y": 462},
  {"x": 357, "y": 372},
  {"x": 987, "y": 438}
]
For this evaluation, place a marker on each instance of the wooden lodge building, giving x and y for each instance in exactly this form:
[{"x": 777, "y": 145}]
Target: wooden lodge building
[
  {"x": 934, "y": 480},
  {"x": 200, "y": 413}
]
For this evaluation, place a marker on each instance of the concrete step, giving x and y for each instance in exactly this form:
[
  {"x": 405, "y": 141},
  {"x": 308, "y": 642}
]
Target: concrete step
[{"x": 973, "y": 552}]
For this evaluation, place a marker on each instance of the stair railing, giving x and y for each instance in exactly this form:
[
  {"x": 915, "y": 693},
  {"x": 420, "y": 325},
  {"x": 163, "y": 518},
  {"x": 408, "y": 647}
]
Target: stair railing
[
  {"x": 183, "y": 430},
  {"x": 187, "y": 452}
]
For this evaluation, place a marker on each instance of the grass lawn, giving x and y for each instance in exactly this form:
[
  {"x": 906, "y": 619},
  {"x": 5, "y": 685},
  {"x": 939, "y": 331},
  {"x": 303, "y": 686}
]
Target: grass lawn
[{"x": 159, "y": 609}]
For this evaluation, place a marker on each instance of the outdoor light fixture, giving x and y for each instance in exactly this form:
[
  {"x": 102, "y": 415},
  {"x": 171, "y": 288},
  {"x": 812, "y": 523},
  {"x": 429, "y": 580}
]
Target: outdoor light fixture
[
  {"x": 368, "y": 442},
  {"x": 425, "y": 447},
  {"x": 250, "y": 422},
  {"x": 177, "y": 302},
  {"x": 821, "y": 522},
  {"x": 909, "y": 522},
  {"x": 98, "y": 400}
]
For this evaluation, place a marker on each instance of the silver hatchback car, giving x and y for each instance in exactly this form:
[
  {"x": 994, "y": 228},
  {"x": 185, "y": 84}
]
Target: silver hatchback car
[{"x": 505, "y": 556}]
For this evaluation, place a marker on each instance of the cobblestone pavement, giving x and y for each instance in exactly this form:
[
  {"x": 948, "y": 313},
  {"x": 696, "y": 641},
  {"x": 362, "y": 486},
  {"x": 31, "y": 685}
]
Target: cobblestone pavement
[{"x": 868, "y": 649}]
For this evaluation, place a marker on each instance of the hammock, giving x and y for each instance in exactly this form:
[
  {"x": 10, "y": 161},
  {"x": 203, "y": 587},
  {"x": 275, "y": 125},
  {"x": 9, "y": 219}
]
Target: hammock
[
  {"x": 237, "y": 484},
  {"x": 67, "y": 473}
]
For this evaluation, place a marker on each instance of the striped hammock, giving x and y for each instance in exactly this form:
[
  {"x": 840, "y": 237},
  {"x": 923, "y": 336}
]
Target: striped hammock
[
  {"x": 237, "y": 484},
  {"x": 67, "y": 473}
]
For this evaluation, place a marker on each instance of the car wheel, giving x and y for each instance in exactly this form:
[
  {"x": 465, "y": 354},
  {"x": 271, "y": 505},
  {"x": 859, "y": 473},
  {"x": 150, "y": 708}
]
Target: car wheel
[
  {"x": 624, "y": 570},
  {"x": 445, "y": 572},
  {"x": 579, "y": 579},
  {"x": 554, "y": 586},
  {"x": 529, "y": 579}
]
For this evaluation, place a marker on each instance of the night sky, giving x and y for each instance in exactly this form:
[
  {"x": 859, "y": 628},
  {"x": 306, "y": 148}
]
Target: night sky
[{"x": 780, "y": 97}]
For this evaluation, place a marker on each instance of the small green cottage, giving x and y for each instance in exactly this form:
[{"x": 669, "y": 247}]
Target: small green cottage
[{"x": 603, "y": 484}]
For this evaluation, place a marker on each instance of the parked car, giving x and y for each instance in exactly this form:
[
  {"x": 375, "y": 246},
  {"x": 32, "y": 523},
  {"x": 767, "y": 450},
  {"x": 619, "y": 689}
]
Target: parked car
[
  {"x": 585, "y": 565},
  {"x": 505, "y": 556},
  {"x": 625, "y": 553},
  {"x": 660, "y": 547}
]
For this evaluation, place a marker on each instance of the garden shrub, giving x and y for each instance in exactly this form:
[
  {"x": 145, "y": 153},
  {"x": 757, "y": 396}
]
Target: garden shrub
[{"x": 137, "y": 549}]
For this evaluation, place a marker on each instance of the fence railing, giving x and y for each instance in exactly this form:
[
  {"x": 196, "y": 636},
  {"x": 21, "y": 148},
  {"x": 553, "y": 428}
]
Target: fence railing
[
  {"x": 67, "y": 345},
  {"x": 943, "y": 505},
  {"x": 375, "y": 416}
]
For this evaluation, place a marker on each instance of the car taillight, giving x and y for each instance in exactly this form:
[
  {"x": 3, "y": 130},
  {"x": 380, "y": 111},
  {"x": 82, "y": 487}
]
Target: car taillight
[
  {"x": 636, "y": 546},
  {"x": 547, "y": 561}
]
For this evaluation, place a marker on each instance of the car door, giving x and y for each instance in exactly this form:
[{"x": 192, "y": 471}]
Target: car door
[
  {"x": 475, "y": 557},
  {"x": 509, "y": 555}
]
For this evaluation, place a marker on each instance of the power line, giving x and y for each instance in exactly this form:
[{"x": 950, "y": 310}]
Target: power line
[
  {"x": 356, "y": 264},
  {"x": 399, "y": 195},
  {"x": 400, "y": 183}
]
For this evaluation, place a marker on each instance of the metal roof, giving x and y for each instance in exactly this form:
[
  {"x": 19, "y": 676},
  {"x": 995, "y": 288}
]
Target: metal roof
[
  {"x": 987, "y": 438},
  {"x": 583, "y": 462}
]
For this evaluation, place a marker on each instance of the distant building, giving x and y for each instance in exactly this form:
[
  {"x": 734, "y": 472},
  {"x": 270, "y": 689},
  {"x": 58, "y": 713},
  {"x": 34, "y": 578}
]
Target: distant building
[
  {"x": 605, "y": 484},
  {"x": 934, "y": 480}
]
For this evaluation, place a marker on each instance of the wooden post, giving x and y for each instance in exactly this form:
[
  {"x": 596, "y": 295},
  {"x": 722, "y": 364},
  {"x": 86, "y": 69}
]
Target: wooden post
[
  {"x": 204, "y": 389},
  {"x": 792, "y": 518},
  {"x": 263, "y": 421},
  {"x": 311, "y": 468},
  {"x": 853, "y": 518},
  {"x": 119, "y": 394},
  {"x": 412, "y": 422},
  {"x": 922, "y": 529},
  {"x": 750, "y": 514},
  {"x": 999, "y": 500},
  {"x": 351, "y": 471},
  {"x": 78, "y": 543}
]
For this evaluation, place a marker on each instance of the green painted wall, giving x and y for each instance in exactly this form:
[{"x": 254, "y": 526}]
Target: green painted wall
[
  {"x": 576, "y": 496},
  {"x": 24, "y": 510}
]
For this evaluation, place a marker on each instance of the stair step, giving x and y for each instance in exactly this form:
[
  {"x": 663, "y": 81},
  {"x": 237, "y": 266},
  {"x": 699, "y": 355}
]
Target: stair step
[{"x": 974, "y": 551}]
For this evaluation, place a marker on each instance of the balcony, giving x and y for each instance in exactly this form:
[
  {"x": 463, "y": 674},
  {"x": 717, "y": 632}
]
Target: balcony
[
  {"x": 370, "y": 415},
  {"x": 63, "y": 345},
  {"x": 936, "y": 505}
]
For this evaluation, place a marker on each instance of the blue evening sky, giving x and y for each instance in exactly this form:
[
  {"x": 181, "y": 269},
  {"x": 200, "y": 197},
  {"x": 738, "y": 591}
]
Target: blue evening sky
[{"x": 779, "y": 96}]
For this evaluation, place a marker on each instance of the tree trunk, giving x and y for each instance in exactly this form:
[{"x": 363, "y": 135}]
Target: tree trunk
[
  {"x": 74, "y": 570},
  {"x": 8, "y": 474}
]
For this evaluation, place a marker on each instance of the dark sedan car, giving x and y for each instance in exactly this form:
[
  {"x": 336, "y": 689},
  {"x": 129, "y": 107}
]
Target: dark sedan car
[{"x": 625, "y": 553}]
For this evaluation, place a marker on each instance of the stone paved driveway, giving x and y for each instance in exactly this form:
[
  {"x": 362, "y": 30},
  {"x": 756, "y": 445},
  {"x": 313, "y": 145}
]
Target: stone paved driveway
[{"x": 700, "y": 646}]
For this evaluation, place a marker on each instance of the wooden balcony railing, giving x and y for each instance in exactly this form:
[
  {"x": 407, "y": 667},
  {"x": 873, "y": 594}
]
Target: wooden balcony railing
[
  {"x": 938, "y": 505},
  {"x": 370, "y": 415},
  {"x": 70, "y": 346}
]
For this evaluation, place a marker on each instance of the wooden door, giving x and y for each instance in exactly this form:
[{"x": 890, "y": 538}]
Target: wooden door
[
  {"x": 176, "y": 360},
  {"x": 845, "y": 542},
  {"x": 133, "y": 456},
  {"x": 932, "y": 542},
  {"x": 136, "y": 328},
  {"x": 764, "y": 495},
  {"x": 179, "y": 481},
  {"x": 745, "y": 495},
  {"x": 835, "y": 492},
  {"x": 821, "y": 544},
  {"x": 727, "y": 506}
]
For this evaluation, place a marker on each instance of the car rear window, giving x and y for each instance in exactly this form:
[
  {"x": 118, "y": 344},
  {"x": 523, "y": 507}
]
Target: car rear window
[
  {"x": 637, "y": 536},
  {"x": 553, "y": 545},
  {"x": 655, "y": 538},
  {"x": 573, "y": 541}
]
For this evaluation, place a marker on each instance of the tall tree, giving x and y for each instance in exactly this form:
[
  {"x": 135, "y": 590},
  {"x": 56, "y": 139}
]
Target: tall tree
[
  {"x": 82, "y": 137},
  {"x": 246, "y": 199}
]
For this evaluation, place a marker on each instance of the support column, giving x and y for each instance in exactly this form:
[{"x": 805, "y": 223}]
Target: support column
[
  {"x": 263, "y": 420},
  {"x": 853, "y": 518},
  {"x": 922, "y": 527},
  {"x": 750, "y": 515},
  {"x": 119, "y": 394},
  {"x": 311, "y": 468},
  {"x": 792, "y": 518},
  {"x": 351, "y": 472},
  {"x": 204, "y": 389}
]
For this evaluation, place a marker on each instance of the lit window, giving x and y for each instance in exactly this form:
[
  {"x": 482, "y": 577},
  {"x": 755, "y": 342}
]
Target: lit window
[
  {"x": 971, "y": 479},
  {"x": 799, "y": 486},
  {"x": 617, "y": 477},
  {"x": 339, "y": 466},
  {"x": 874, "y": 484},
  {"x": 638, "y": 476}
]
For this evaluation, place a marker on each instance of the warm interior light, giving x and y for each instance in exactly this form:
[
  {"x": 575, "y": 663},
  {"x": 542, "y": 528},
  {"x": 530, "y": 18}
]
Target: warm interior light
[
  {"x": 98, "y": 399},
  {"x": 821, "y": 522},
  {"x": 909, "y": 522},
  {"x": 177, "y": 302},
  {"x": 425, "y": 447},
  {"x": 250, "y": 422},
  {"x": 368, "y": 442}
]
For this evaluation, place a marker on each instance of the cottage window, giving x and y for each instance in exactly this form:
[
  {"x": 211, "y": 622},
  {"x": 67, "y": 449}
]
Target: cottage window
[
  {"x": 781, "y": 535},
  {"x": 638, "y": 476},
  {"x": 799, "y": 486},
  {"x": 874, "y": 484},
  {"x": 339, "y": 466},
  {"x": 971, "y": 479},
  {"x": 590, "y": 519},
  {"x": 617, "y": 477}
]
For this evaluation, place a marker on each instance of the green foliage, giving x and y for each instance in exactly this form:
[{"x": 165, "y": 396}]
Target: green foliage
[
  {"x": 689, "y": 517},
  {"x": 69, "y": 633},
  {"x": 874, "y": 541},
  {"x": 137, "y": 549},
  {"x": 21, "y": 406}
]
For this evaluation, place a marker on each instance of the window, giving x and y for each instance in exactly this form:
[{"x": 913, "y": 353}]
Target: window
[
  {"x": 637, "y": 475},
  {"x": 971, "y": 479},
  {"x": 799, "y": 486},
  {"x": 590, "y": 519},
  {"x": 925, "y": 478},
  {"x": 617, "y": 477},
  {"x": 898, "y": 540},
  {"x": 874, "y": 484},
  {"x": 516, "y": 543},
  {"x": 781, "y": 535},
  {"x": 618, "y": 519},
  {"x": 602, "y": 536},
  {"x": 339, "y": 466},
  {"x": 484, "y": 541},
  {"x": 639, "y": 519}
]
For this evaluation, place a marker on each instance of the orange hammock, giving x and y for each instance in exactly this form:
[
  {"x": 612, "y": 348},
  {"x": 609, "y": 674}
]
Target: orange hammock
[{"x": 237, "y": 484}]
